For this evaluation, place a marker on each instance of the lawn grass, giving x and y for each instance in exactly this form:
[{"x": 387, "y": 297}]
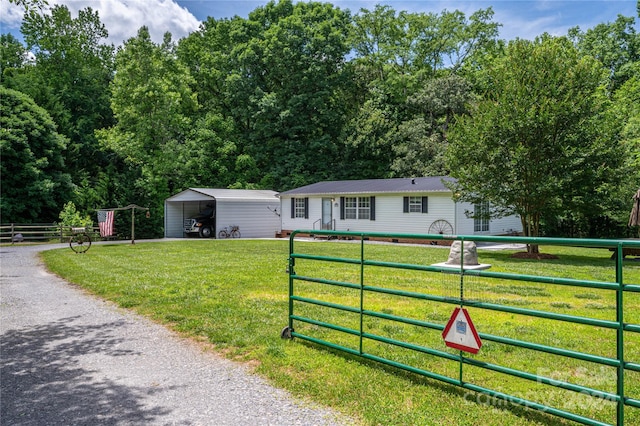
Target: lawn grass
[{"x": 233, "y": 295}]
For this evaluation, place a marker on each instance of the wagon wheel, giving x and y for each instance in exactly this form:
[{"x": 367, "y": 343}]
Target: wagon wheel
[
  {"x": 286, "y": 333},
  {"x": 80, "y": 242},
  {"x": 441, "y": 227}
]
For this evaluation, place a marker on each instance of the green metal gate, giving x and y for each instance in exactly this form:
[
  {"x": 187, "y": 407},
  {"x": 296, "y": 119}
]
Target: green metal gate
[{"x": 373, "y": 301}]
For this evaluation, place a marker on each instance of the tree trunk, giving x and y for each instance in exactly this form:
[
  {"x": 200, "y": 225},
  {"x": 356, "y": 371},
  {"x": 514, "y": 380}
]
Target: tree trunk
[{"x": 530, "y": 227}]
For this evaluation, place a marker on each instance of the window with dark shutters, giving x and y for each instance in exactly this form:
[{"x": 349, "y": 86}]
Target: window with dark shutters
[
  {"x": 341, "y": 208},
  {"x": 300, "y": 208},
  {"x": 415, "y": 204},
  {"x": 372, "y": 213}
]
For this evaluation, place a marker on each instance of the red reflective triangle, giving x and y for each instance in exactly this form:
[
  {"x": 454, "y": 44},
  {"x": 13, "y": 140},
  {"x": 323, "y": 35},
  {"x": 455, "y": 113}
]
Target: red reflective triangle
[{"x": 460, "y": 333}]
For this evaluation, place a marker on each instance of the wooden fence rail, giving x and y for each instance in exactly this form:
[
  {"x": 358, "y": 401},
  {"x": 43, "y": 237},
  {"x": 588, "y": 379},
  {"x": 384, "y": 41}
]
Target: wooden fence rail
[{"x": 41, "y": 232}]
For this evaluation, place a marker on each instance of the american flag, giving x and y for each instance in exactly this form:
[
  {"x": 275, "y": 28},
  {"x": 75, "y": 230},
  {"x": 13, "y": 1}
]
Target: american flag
[{"x": 105, "y": 222}]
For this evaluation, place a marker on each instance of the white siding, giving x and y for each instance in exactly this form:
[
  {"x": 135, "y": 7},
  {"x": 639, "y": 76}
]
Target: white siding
[
  {"x": 173, "y": 220},
  {"x": 256, "y": 219},
  {"x": 390, "y": 217},
  {"x": 315, "y": 213},
  {"x": 505, "y": 225},
  {"x": 502, "y": 226},
  {"x": 253, "y": 211}
]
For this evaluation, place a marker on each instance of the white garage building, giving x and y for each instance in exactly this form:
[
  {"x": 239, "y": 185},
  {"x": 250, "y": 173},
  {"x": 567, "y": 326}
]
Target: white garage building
[{"x": 256, "y": 212}]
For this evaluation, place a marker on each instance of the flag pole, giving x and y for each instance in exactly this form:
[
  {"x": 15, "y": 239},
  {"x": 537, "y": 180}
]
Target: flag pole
[{"x": 133, "y": 208}]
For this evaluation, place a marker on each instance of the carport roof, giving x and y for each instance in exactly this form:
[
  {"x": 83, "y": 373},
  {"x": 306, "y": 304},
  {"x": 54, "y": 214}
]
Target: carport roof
[
  {"x": 375, "y": 186},
  {"x": 202, "y": 194}
]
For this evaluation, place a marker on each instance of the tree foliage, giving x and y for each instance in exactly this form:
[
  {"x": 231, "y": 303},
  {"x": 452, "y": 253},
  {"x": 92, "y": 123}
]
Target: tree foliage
[
  {"x": 152, "y": 102},
  {"x": 537, "y": 144},
  {"x": 615, "y": 44},
  {"x": 34, "y": 182},
  {"x": 69, "y": 77},
  {"x": 12, "y": 54},
  {"x": 293, "y": 90},
  {"x": 300, "y": 92}
]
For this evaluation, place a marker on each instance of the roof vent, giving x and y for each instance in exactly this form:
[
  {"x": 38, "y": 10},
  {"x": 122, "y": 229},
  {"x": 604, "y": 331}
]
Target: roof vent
[{"x": 413, "y": 181}]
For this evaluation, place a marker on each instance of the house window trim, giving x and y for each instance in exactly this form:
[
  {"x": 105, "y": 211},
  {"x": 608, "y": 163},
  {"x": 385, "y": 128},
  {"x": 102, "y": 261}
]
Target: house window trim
[
  {"x": 407, "y": 203},
  {"x": 348, "y": 211},
  {"x": 481, "y": 224},
  {"x": 300, "y": 208}
]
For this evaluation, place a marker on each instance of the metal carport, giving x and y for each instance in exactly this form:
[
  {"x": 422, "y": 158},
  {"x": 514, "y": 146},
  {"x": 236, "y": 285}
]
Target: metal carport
[{"x": 256, "y": 212}]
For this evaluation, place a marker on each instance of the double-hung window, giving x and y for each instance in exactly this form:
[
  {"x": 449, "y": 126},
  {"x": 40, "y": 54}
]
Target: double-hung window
[
  {"x": 481, "y": 217},
  {"x": 300, "y": 208},
  {"x": 416, "y": 205},
  {"x": 350, "y": 207},
  {"x": 364, "y": 208},
  {"x": 358, "y": 208}
]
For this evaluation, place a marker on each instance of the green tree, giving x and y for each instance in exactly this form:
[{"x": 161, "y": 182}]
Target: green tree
[
  {"x": 35, "y": 183},
  {"x": 420, "y": 150},
  {"x": 626, "y": 108},
  {"x": 404, "y": 50},
  {"x": 70, "y": 216},
  {"x": 290, "y": 90},
  {"x": 12, "y": 54},
  {"x": 369, "y": 138},
  {"x": 30, "y": 5},
  {"x": 211, "y": 157},
  {"x": 218, "y": 157},
  {"x": 406, "y": 66},
  {"x": 615, "y": 44},
  {"x": 70, "y": 79},
  {"x": 209, "y": 55},
  {"x": 537, "y": 144},
  {"x": 153, "y": 104}
]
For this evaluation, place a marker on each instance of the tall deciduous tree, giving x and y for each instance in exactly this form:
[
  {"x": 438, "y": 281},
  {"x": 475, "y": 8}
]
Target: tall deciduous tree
[
  {"x": 35, "y": 183},
  {"x": 420, "y": 150},
  {"x": 70, "y": 79},
  {"x": 615, "y": 44},
  {"x": 406, "y": 66},
  {"x": 627, "y": 109},
  {"x": 153, "y": 104},
  {"x": 291, "y": 88},
  {"x": 536, "y": 144},
  {"x": 218, "y": 156},
  {"x": 12, "y": 54}
]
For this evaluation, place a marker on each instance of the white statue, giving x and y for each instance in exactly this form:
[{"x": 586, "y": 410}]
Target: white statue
[{"x": 469, "y": 256}]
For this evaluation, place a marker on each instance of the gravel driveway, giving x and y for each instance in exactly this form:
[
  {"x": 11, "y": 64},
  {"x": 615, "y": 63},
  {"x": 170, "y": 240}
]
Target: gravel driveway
[{"x": 68, "y": 358}]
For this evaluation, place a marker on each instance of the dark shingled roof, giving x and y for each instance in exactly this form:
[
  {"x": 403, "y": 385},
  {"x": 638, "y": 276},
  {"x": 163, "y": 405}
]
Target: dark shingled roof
[{"x": 374, "y": 186}]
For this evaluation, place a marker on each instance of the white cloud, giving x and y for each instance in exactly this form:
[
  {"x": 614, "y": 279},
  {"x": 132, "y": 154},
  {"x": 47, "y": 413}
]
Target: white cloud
[
  {"x": 123, "y": 18},
  {"x": 10, "y": 16}
]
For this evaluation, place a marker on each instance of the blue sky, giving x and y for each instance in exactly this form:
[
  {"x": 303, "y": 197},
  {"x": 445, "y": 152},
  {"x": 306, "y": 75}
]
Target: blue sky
[{"x": 519, "y": 18}]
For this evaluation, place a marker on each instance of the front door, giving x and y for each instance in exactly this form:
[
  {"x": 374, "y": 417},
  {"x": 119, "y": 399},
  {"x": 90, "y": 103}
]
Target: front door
[{"x": 327, "y": 214}]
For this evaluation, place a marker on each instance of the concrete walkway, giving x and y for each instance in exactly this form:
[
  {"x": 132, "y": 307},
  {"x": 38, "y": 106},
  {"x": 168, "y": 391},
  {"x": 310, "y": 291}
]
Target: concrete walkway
[{"x": 68, "y": 358}]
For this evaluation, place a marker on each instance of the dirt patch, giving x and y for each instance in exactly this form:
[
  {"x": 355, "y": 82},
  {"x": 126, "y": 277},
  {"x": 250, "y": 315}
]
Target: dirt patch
[{"x": 536, "y": 256}]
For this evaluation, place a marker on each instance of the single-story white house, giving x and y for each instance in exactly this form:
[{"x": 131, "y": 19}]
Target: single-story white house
[
  {"x": 255, "y": 212},
  {"x": 422, "y": 205}
]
